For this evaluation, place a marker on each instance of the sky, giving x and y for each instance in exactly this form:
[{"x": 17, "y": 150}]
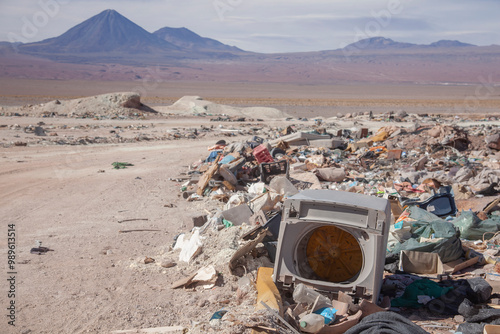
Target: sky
[{"x": 270, "y": 26}]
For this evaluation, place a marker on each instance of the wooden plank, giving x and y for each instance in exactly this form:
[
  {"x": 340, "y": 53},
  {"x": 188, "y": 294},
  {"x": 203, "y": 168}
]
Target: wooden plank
[
  {"x": 205, "y": 178},
  {"x": 245, "y": 249},
  {"x": 229, "y": 186},
  {"x": 158, "y": 330},
  {"x": 183, "y": 281}
]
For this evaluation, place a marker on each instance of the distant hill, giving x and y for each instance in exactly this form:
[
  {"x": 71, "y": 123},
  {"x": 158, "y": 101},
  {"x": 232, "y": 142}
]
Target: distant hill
[
  {"x": 382, "y": 43},
  {"x": 105, "y": 32},
  {"x": 186, "y": 39},
  {"x": 449, "y": 44},
  {"x": 378, "y": 43},
  {"x": 108, "y": 46}
]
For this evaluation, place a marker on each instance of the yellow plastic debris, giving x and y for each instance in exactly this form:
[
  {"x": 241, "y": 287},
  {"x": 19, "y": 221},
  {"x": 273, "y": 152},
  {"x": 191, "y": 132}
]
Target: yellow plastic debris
[{"x": 267, "y": 291}]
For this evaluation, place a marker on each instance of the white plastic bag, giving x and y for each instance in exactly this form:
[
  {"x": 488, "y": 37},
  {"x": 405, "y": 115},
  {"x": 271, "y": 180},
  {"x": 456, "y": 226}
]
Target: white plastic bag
[{"x": 190, "y": 248}]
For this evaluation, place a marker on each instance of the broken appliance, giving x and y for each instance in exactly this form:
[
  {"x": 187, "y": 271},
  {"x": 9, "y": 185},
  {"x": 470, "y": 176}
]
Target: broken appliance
[{"x": 333, "y": 241}]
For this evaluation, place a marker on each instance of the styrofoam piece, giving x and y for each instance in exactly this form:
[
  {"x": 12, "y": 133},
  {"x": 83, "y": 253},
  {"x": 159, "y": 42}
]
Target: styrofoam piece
[
  {"x": 298, "y": 138},
  {"x": 330, "y": 143},
  {"x": 238, "y": 215},
  {"x": 191, "y": 248}
]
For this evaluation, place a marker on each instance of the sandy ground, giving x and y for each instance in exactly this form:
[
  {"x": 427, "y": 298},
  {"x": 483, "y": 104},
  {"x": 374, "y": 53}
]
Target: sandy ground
[
  {"x": 295, "y": 99},
  {"x": 71, "y": 199},
  {"x": 58, "y": 196}
]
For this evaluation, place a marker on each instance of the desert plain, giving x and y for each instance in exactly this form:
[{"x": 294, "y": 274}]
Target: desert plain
[{"x": 100, "y": 223}]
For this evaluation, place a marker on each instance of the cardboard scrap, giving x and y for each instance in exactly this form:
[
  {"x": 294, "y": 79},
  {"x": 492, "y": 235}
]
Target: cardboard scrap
[
  {"x": 422, "y": 263},
  {"x": 258, "y": 218},
  {"x": 368, "y": 307},
  {"x": 186, "y": 281},
  {"x": 205, "y": 276},
  {"x": 485, "y": 204},
  {"x": 242, "y": 251},
  {"x": 156, "y": 330}
]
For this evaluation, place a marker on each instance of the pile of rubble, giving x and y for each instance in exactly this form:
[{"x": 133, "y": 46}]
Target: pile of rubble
[
  {"x": 125, "y": 105},
  {"x": 441, "y": 181},
  {"x": 197, "y": 106},
  {"x": 47, "y": 134}
]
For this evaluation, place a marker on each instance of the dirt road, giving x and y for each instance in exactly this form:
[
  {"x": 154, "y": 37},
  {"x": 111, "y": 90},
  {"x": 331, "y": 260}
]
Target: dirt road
[{"x": 71, "y": 199}]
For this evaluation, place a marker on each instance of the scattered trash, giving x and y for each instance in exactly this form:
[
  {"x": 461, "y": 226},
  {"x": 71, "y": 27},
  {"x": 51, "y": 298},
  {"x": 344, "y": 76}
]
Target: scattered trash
[
  {"x": 189, "y": 248},
  {"x": 39, "y": 249},
  {"x": 312, "y": 323},
  {"x": 132, "y": 219},
  {"x": 218, "y": 315},
  {"x": 340, "y": 225},
  {"x": 121, "y": 165},
  {"x": 205, "y": 277},
  {"x": 139, "y": 230}
]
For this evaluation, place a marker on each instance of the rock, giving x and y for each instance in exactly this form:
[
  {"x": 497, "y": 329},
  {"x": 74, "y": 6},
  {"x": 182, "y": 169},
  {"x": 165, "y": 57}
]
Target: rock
[
  {"x": 331, "y": 174},
  {"x": 493, "y": 141},
  {"x": 199, "y": 221},
  {"x": 193, "y": 300},
  {"x": 213, "y": 299},
  {"x": 39, "y": 131},
  {"x": 130, "y": 100},
  {"x": 413, "y": 127},
  {"x": 401, "y": 114},
  {"x": 435, "y": 132},
  {"x": 168, "y": 264}
]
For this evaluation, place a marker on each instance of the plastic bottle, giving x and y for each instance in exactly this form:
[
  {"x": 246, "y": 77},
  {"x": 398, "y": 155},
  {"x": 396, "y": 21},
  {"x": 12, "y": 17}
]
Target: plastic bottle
[
  {"x": 312, "y": 323},
  {"x": 328, "y": 313},
  {"x": 303, "y": 294}
]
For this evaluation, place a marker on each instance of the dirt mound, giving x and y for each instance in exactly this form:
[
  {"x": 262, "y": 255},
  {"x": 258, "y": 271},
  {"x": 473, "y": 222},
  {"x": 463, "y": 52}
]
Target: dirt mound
[
  {"x": 126, "y": 103},
  {"x": 195, "y": 105}
]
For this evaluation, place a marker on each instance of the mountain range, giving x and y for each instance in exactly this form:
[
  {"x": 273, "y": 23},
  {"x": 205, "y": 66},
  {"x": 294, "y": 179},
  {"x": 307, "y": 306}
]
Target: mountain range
[
  {"x": 109, "y": 38},
  {"x": 109, "y": 32}
]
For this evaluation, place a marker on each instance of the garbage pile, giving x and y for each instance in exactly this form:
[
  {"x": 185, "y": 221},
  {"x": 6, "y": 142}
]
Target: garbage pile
[
  {"x": 49, "y": 134},
  {"x": 442, "y": 253}
]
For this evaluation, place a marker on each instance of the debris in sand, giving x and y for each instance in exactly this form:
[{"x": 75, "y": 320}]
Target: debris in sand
[
  {"x": 121, "y": 165},
  {"x": 112, "y": 104},
  {"x": 393, "y": 162},
  {"x": 195, "y": 105}
]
